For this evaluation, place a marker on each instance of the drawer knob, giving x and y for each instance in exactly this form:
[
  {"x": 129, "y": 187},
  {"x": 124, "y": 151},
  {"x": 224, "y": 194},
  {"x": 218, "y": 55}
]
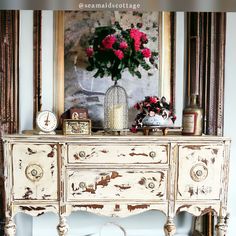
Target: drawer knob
[
  {"x": 82, "y": 154},
  {"x": 151, "y": 185},
  {"x": 82, "y": 185},
  {"x": 34, "y": 172},
  {"x": 152, "y": 154},
  {"x": 199, "y": 172}
]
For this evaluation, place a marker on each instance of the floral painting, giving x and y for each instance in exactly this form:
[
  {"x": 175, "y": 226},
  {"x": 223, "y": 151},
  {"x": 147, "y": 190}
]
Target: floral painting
[{"x": 81, "y": 88}]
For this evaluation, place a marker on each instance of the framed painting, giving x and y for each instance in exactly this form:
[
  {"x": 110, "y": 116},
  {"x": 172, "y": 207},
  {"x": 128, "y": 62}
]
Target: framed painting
[{"x": 77, "y": 87}]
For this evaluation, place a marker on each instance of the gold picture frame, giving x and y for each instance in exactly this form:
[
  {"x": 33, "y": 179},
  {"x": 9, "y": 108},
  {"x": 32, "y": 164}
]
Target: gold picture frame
[
  {"x": 166, "y": 54},
  {"x": 77, "y": 127}
]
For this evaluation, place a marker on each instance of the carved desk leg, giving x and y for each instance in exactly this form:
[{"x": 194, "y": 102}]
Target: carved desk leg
[
  {"x": 10, "y": 227},
  {"x": 221, "y": 227},
  {"x": 169, "y": 227},
  {"x": 62, "y": 228}
]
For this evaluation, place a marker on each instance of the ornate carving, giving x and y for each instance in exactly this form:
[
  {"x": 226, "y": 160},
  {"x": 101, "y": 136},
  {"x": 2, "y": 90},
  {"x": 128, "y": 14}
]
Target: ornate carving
[
  {"x": 221, "y": 227},
  {"x": 10, "y": 227},
  {"x": 62, "y": 228},
  {"x": 169, "y": 227}
]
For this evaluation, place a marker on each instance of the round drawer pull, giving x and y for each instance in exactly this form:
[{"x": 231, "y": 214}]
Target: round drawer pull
[
  {"x": 152, "y": 154},
  {"x": 199, "y": 172},
  {"x": 151, "y": 185},
  {"x": 82, "y": 154},
  {"x": 82, "y": 185},
  {"x": 34, "y": 172}
]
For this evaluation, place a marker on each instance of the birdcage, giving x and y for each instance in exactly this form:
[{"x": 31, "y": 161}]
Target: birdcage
[{"x": 115, "y": 109}]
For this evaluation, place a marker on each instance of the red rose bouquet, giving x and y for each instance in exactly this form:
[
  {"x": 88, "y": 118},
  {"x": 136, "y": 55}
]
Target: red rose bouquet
[{"x": 113, "y": 49}]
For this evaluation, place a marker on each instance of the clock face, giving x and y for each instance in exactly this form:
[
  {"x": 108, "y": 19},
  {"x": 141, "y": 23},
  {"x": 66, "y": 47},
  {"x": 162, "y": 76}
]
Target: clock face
[{"x": 46, "y": 121}]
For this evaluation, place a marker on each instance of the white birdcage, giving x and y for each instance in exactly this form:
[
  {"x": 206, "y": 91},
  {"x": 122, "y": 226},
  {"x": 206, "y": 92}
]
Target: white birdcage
[{"x": 116, "y": 109}]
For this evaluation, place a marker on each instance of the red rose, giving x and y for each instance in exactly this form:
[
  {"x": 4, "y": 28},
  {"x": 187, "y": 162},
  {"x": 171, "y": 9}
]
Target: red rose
[
  {"x": 135, "y": 34},
  {"x": 123, "y": 45},
  {"x": 133, "y": 130},
  {"x": 137, "y": 106},
  {"x": 119, "y": 54},
  {"x": 89, "y": 52},
  {"x": 146, "y": 52},
  {"x": 144, "y": 38},
  {"x": 108, "y": 41},
  {"x": 136, "y": 45},
  {"x": 153, "y": 100}
]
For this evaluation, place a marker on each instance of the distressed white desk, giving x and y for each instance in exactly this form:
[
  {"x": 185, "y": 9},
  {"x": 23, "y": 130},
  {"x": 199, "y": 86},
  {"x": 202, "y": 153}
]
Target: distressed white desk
[{"x": 115, "y": 176}]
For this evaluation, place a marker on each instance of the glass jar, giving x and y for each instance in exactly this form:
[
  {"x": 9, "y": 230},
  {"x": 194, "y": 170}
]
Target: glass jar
[{"x": 192, "y": 118}]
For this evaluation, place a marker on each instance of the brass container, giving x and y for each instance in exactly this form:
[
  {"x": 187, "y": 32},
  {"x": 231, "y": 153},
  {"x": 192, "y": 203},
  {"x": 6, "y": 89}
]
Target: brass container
[{"x": 192, "y": 118}]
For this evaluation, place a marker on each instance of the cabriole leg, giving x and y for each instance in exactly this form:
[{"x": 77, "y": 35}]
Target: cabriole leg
[
  {"x": 62, "y": 228},
  {"x": 169, "y": 227},
  {"x": 10, "y": 227}
]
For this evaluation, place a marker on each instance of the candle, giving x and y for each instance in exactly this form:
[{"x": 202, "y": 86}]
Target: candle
[{"x": 116, "y": 117}]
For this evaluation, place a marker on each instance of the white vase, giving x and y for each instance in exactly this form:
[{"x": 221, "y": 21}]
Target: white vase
[{"x": 156, "y": 120}]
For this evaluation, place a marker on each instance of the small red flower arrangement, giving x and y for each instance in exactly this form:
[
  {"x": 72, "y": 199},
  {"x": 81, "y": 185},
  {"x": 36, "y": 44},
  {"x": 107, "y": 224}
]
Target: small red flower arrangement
[
  {"x": 153, "y": 106},
  {"x": 113, "y": 49}
]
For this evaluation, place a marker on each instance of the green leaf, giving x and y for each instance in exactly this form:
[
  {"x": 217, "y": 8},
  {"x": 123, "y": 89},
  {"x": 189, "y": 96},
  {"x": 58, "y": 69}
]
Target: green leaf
[
  {"x": 90, "y": 68},
  {"x": 155, "y": 54},
  {"x": 138, "y": 74},
  {"x": 145, "y": 65},
  {"x": 154, "y": 39},
  {"x": 96, "y": 74},
  {"x": 131, "y": 71}
]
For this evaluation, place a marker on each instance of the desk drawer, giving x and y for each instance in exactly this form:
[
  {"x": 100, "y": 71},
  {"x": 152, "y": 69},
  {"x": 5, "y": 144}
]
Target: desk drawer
[
  {"x": 35, "y": 171},
  {"x": 200, "y": 172},
  {"x": 132, "y": 154},
  {"x": 114, "y": 184}
]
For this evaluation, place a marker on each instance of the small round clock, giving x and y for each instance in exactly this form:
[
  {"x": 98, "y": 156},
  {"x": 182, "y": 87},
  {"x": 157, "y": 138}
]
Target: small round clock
[{"x": 47, "y": 122}]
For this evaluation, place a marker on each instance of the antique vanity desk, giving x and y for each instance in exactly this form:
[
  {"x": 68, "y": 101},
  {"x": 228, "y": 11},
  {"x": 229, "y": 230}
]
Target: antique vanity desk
[{"x": 115, "y": 176}]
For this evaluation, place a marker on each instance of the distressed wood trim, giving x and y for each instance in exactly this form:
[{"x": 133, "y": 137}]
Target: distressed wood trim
[
  {"x": 9, "y": 80},
  {"x": 173, "y": 60},
  {"x": 167, "y": 56},
  {"x": 59, "y": 62},
  {"x": 37, "y": 55}
]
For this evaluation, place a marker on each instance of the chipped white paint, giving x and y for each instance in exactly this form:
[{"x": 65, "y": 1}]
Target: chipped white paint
[
  {"x": 128, "y": 153},
  {"x": 116, "y": 176},
  {"x": 200, "y": 172},
  {"x": 117, "y": 208},
  {"x": 35, "y": 171},
  {"x": 116, "y": 184}
]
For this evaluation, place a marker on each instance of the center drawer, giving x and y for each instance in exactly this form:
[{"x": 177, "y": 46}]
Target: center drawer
[
  {"x": 116, "y": 184},
  {"x": 115, "y": 154}
]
